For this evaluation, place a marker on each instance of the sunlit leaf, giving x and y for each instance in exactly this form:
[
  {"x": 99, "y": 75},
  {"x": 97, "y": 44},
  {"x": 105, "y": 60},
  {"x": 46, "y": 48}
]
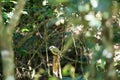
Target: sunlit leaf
[
  {"x": 94, "y": 3},
  {"x": 68, "y": 70},
  {"x": 93, "y": 21},
  {"x": 101, "y": 64},
  {"x": 25, "y": 30},
  {"x": 53, "y": 78}
]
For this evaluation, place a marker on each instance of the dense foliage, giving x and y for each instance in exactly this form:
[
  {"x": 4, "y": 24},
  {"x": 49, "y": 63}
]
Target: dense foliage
[{"x": 86, "y": 32}]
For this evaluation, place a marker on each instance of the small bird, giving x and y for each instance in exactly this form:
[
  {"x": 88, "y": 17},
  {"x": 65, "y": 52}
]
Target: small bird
[
  {"x": 56, "y": 61},
  {"x": 55, "y": 50}
]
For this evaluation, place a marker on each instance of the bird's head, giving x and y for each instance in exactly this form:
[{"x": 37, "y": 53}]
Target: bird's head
[
  {"x": 52, "y": 47},
  {"x": 54, "y": 50}
]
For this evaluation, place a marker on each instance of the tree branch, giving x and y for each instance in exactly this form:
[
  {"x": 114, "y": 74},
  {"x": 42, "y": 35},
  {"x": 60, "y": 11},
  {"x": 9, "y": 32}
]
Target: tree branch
[{"x": 16, "y": 14}]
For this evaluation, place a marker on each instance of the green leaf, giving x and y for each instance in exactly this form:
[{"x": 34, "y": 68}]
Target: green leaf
[
  {"x": 53, "y": 78},
  {"x": 25, "y": 30},
  {"x": 24, "y": 52},
  {"x": 68, "y": 70},
  {"x": 5, "y": 15}
]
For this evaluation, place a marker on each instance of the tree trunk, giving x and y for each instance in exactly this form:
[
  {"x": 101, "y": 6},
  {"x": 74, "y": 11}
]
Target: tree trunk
[
  {"x": 7, "y": 54},
  {"x": 6, "y": 47}
]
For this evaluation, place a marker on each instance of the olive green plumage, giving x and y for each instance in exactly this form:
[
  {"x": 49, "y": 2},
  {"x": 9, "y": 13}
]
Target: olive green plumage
[{"x": 55, "y": 50}]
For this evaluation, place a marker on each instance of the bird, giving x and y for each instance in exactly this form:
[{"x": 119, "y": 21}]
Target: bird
[
  {"x": 56, "y": 61},
  {"x": 55, "y": 50}
]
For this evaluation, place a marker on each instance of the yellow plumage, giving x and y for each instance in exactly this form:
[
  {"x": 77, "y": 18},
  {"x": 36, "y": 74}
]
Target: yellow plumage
[{"x": 56, "y": 61}]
